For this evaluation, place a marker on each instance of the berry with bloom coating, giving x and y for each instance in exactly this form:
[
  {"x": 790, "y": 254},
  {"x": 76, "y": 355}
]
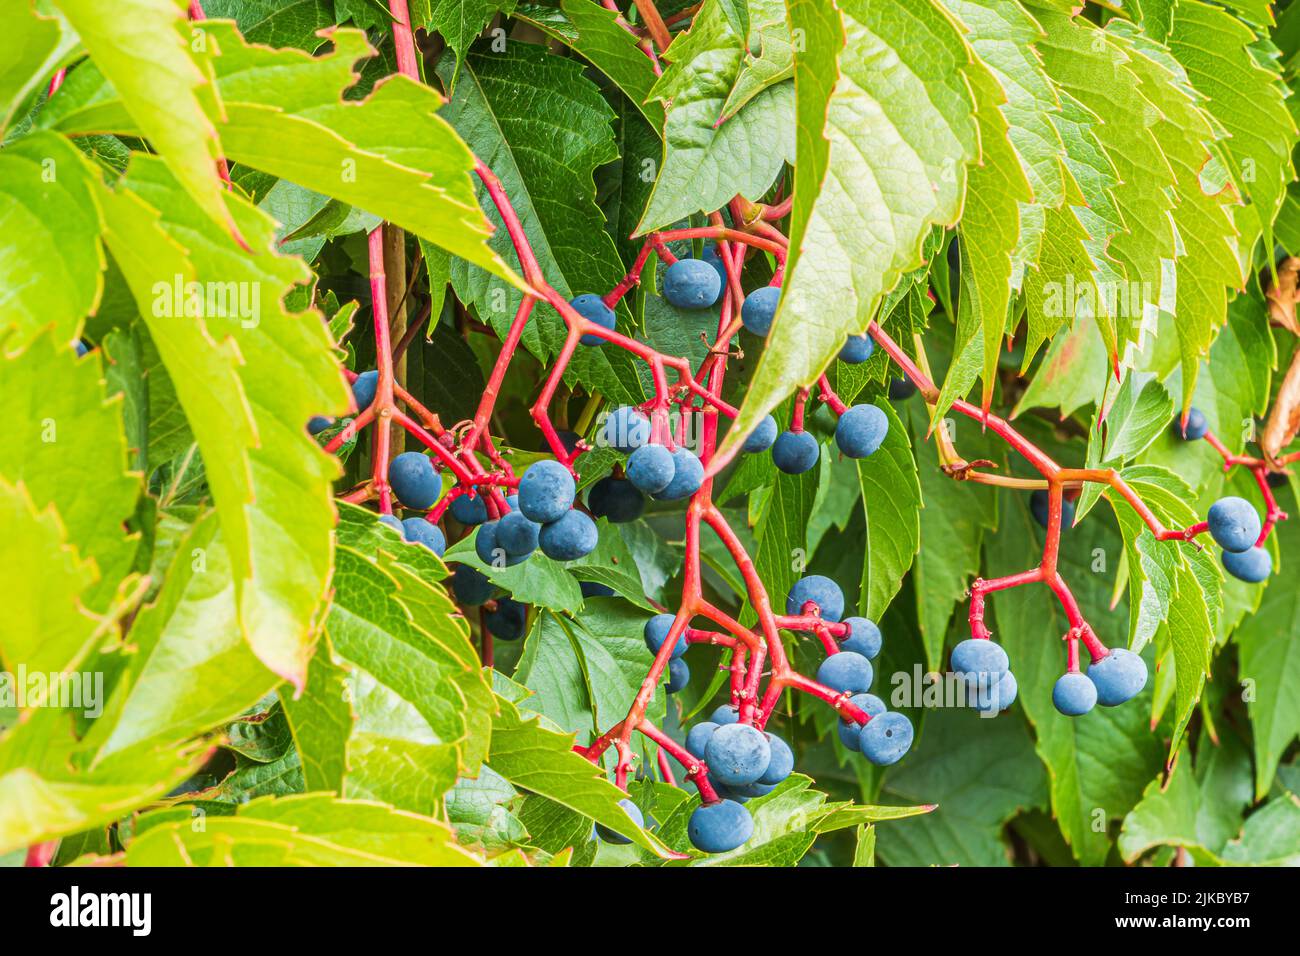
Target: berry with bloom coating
[
  {"x": 688, "y": 475},
  {"x": 546, "y": 491},
  {"x": 901, "y": 388},
  {"x": 1074, "y": 695},
  {"x": 761, "y": 438},
  {"x": 625, "y": 429},
  {"x": 1234, "y": 524},
  {"x": 615, "y": 499},
  {"x": 591, "y": 307},
  {"x": 679, "y": 675},
  {"x": 780, "y": 764},
  {"x": 392, "y": 521},
  {"x": 714, "y": 258},
  {"x": 470, "y": 585},
  {"x": 697, "y": 740},
  {"x": 633, "y": 811},
  {"x": 850, "y": 730},
  {"x": 656, "y": 632},
  {"x": 691, "y": 284},
  {"x": 1252, "y": 565},
  {"x": 820, "y": 590},
  {"x": 469, "y": 511},
  {"x": 1195, "y": 428},
  {"x": 724, "y": 714},
  {"x": 363, "y": 389},
  {"x": 508, "y": 620},
  {"x": 737, "y": 754},
  {"x": 989, "y": 696},
  {"x": 857, "y": 349},
  {"x": 720, "y": 827},
  {"x": 1119, "y": 676},
  {"x": 517, "y": 535},
  {"x": 979, "y": 656},
  {"x": 759, "y": 309},
  {"x": 795, "y": 452},
  {"x": 860, "y": 430},
  {"x": 886, "y": 738},
  {"x": 651, "y": 468},
  {"x": 846, "y": 672},
  {"x": 414, "y": 480},
  {"x": 572, "y": 537},
  {"x": 420, "y": 531},
  {"x": 864, "y": 637},
  {"x": 1039, "y": 506}
]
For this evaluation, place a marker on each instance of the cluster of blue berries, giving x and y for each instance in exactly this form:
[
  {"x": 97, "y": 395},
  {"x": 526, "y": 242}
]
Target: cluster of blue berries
[
  {"x": 1234, "y": 523},
  {"x": 541, "y": 516},
  {"x": 858, "y": 434},
  {"x": 651, "y": 468}
]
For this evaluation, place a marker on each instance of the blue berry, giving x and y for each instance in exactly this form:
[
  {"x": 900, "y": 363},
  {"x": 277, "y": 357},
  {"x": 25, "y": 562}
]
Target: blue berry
[
  {"x": 724, "y": 714},
  {"x": 737, "y": 755},
  {"x": 616, "y": 499},
  {"x": 656, "y": 632},
  {"x": 590, "y": 589},
  {"x": 857, "y": 349},
  {"x": 846, "y": 672},
  {"x": 469, "y": 511},
  {"x": 546, "y": 491},
  {"x": 517, "y": 535},
  {"x": 864, "y": 637},
  {"x": 486, "y": 546},
  {"x": 979, "y": 656},
  {"x": 759, "y": 309},
  {"x": 317, "y": 424},
  {"x": 1195, "y": 428},
  {"x": 1118, "y": 677},
  {"x": 850, "y": 731},
  {"x": 779, "y": 764},
  {"x": 392, "y": 521},
  {"x": 761, "y": 438},
  {"x": 822, "y": 591},
  {"x": 901, "y": 388},
  {"x": 795, "y": 452},
  {"x": 363, "y": 389},
  {"x": 1234, "y": 524},
  {"x": 714, "y": 258},
  {"x": 1074, "y": 695},
  {"x": 989, "y": 697},
  {"x": 625, "y": 429},
  {"x": 1252, "y": 565},
  {"x": 692, "y": 284},
  {"x": 886, "y": 738},
  {"x": 508, "y": 620},
  {"x": 1038, "y": 506},
  {"x": 414, "y": 480},
  {"x": 633, "y": 811},
  {"x": 860, "y": 430},
  {"x": 470, "y": 585},
  {"x": 688, "y": 475},
  {"x": 592, "y": 307},
  {"x": 697, "y": 739},
  {"x": 719, "y": 827},
  {"x": 651, "y": 468},
  {"x": 679, "y": 675},
  {"x": 572, "y": 537},
  {"x": 420, "y": 531}
]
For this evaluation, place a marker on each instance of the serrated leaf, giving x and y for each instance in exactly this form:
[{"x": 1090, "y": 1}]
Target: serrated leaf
[
  {"x": 891, "y": 500},
  {"x": 880, "y": 159},
  {"x": 769, "y": 58}
]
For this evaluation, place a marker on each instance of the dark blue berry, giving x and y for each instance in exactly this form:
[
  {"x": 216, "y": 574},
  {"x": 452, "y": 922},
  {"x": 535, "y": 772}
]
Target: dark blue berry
[
  {"x": 470, "y": 585},
  {"x": 688, "y": 475},
  {"x": 419, "y": 531},
  {"x": 591, "y": 307},
  {"x": 508, "y": 621},
  {"x": 572, "y": 537},
  {"x": 886, "y": 738},
  {"x": 615, "y": 499},
  {"x": 1118, "y": 677},
  {"x": 692, "y": 284},
  {"x": 846, "y": 672},
  {"x": 759, "y": 309},
  {"x": 860, "y": 430},
  {"x": 363, "y": 389},
  {"x": 1234, "y": 524},
  {"x": 1074, "y": 695},
  {"x": 1252, "y": 565},
  {"x": 857, "y": 349},
  {"x": 546, "y": 491},
  {"x": 469, "y": 511},
  {"x": 517, "y": 535},
  {"x": 1195, "y": 428},
  {"x": 651, "y": 468},
  {"x": 633, "y": 811},
  {"x": 1038, "y": 506},
  {"x": 414, "y": 480},
  {"x": 679, "y": 675},
  {"x": 656, "y": 632},
  {"x": 720, "y": 827},
  {"x": 864, "y": 637},
  {"x": 761, "y": 438},
  {"x": 795, "y": 452},
  {"x": 822, "y": 591},
  {"x": 737, "y": 755}
]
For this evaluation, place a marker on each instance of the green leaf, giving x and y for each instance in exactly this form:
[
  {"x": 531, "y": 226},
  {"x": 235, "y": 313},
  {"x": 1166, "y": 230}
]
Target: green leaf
[
  {"x": 53, "y": 275},
  {"x": 140, "y": 48},
  {"x": 499, "y": 100},
  {"x": 459, "y": 22},
  {"x": 1270, "y": 668},
  {"x": 271, "y": 482},
  {"x": 37, "y": 44},
  {"x": 773, "y": 62},
  {"x": 708, "y": 161},
  {"x": 535, "y": 758},
  {"x": 881, "y": 157},
  {"x": 981, "y": 772},
  {"x": 306, "y": 830},
  {"x": 392, "y": 154},
  {"x": 891, "y": 500},
  {"x": 295, "y": 23}
]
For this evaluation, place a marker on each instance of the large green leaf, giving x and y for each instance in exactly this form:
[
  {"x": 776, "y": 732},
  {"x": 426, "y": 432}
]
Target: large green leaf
[
  {"x": 879, "y": 161},
  {"x": 891, "y": 500},
  {"x": 36, "y": 41}
]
